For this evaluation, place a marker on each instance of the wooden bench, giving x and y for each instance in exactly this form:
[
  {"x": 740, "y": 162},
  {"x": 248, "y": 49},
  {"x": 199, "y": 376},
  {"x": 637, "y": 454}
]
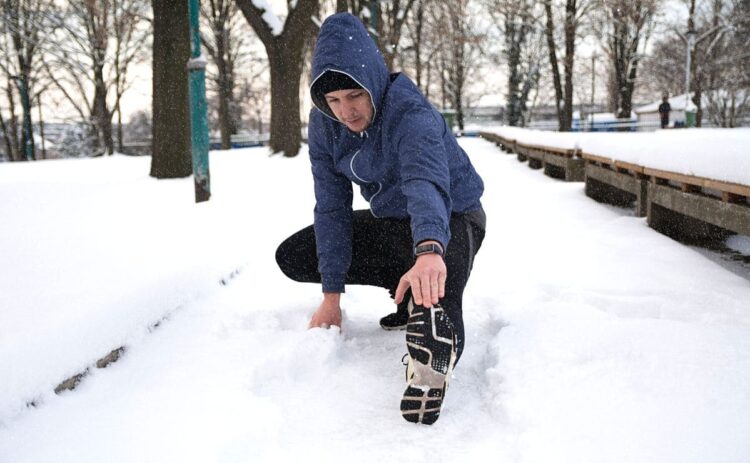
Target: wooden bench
[
  {"x": 686, "y": 207},
  {"x": 505, "y": 144},
  {"x": 616, "y": 182},
  {"x": 696, "y": 208},
  {"x": 559, "y": 163}
]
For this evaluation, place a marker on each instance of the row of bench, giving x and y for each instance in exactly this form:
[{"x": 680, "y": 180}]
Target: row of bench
[{"x": 685, "y": 207}]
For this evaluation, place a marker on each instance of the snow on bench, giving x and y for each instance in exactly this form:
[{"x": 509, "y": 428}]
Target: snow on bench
[
  {"x": 559, "y": 158},
  {"x": 692, "y": 183}
]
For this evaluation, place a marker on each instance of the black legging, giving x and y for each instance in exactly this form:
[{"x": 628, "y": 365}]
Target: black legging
[{"x": 382, "y": 252}]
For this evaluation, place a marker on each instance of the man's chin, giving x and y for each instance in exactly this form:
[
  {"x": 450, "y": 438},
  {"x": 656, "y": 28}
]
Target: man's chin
[{"x": 357, "y": 126}]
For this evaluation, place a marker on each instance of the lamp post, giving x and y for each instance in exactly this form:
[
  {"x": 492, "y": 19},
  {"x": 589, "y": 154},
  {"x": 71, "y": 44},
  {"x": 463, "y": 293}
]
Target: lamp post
[{"x": 198, "y": 108}]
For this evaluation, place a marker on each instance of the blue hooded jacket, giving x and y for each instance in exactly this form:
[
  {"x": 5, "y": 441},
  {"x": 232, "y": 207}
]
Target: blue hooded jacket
[{"x": 407, "y": 163}]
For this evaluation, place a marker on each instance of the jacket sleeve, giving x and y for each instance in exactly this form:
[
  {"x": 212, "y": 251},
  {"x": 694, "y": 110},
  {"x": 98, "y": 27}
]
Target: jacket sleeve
[
  {"x": 425, "y": 178},
  {"x": 333, "y": 209}
]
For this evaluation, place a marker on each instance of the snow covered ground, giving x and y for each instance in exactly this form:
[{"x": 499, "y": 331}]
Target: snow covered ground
[{"x": 590, "y": 337}]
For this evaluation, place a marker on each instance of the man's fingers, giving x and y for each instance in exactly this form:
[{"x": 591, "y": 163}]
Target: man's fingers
[
  {"x": 416, "y": 291},
  {"x": 441, "y": 284},
  {"x": 434, "y": 289},
  {"x": 403, "y": 285},
  {"x": 426, "y": 290}
]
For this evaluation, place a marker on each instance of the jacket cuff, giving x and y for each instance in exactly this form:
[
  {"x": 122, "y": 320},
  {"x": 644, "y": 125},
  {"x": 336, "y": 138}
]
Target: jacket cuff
[
  {"x": 431, "y": 232},
  {"x": 333, "y": 283}
]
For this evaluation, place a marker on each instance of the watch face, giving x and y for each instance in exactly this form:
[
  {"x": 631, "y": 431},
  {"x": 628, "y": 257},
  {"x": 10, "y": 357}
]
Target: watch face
[{"x": 427, "y": 249}]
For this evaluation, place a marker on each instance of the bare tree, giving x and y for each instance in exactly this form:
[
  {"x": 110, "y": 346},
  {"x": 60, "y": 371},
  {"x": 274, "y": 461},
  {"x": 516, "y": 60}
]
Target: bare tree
[
  {"x": 101, "y": 40},
  {"x": 226, "y": 44},
  {"x": 463, "y": 52},
  {"x": 424, "y": 55},
  {"x": 23, "y": 32},
  {"x": 625, "y": 29},
  {"x": 717, "y": 59},
  {"x": 285, "y": 44},
  {"x": 416, "y": 28},
  {"x": 131, "y": 24},
  {"x": 518, "y": 24},
  {"x": 575, "y": 11},
  {"x": 390, "y": 22}
]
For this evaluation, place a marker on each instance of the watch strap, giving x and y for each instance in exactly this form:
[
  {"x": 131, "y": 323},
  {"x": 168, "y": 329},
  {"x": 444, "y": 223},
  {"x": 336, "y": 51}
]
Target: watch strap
[{"x": 430, "y": 248}]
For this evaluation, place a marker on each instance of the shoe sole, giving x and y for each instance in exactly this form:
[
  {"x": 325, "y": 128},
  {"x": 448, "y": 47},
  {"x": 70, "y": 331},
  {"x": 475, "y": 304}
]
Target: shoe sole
[
  {"x": 394, "y": 328},
  {"x": 430, "y": 341}
]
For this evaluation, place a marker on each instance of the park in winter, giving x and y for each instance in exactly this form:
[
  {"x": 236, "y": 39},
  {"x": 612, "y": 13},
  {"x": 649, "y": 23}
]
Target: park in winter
[{"x": 375, "y": 230}]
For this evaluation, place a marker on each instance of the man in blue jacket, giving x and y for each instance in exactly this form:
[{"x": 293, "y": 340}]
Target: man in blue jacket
[{"x": 425, "y": 222}]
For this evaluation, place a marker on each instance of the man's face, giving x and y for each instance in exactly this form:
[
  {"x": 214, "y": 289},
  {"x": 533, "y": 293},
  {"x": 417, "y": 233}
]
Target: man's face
[{"x": 352, "y": 107}]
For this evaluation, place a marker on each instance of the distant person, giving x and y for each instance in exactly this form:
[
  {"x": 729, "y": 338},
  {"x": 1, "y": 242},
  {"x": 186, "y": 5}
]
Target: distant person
[
  {"x": 376, "y": 130},
  {"x": 664, "y": 109}
]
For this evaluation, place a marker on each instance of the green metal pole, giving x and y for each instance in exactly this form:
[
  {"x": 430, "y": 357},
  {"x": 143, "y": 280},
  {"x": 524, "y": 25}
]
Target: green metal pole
[
  {"x": 198, "y": 109},
  {"x": 374, "y": 15},
  {"x": 28, "y": 134}
]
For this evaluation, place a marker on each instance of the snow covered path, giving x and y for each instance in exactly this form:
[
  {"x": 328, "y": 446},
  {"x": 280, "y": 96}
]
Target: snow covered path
[{"x": 589, "y": 338}]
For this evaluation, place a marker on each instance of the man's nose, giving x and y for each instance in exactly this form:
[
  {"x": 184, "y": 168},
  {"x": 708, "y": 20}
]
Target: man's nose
[{"x": 348, "y": 107}]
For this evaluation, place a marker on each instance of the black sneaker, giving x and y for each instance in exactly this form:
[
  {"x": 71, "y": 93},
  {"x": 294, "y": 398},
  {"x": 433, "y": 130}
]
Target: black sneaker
[
  {"x": 397, "y": 320},
  {"x": 431, "y": 343}
]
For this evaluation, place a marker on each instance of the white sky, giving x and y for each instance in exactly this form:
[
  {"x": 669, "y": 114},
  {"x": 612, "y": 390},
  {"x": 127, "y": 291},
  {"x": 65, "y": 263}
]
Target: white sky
[{"x": 487, "y": 91}]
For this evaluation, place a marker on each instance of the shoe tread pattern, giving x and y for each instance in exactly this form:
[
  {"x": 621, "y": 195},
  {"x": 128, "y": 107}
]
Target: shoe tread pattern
[{"x": 431, "y": 345}]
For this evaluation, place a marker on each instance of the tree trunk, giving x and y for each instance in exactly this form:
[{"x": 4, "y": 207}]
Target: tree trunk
[
  {"x": 102, "y": 115},
  {"x": 697, "y": 97},
  {"x": 514, "y": 36},
  {"x": 120, "y": 143},
  {"x": 570, "y": 49},
  {"x": 419, "y": 18},
  {"x": 286, "y": 127},
  {"x": 549, "y": 32},
  {"x": 225, "y": 91},
  {"x": 41, "y": 127},
  {"x": 15, "y": 151},
  {"x": 171, "y": 155},
  {"x": 285, "y": 55},
  {"x": 8, "y": 146}
]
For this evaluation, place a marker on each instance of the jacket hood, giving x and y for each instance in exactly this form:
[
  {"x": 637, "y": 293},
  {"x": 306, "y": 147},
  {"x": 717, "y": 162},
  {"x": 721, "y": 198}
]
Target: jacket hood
[{"x": 345, "y": 46}]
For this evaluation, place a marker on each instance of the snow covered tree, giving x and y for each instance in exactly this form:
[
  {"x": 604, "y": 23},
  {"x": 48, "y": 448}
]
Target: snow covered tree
[{"x": 285, "y": 44}]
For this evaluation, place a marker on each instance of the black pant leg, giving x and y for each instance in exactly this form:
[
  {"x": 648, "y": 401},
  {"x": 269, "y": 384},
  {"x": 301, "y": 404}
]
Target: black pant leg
[
  {"x": 381, "y": 252},
  {"x": 297, "y": 256},
  {"x": 466, "y": 239}
]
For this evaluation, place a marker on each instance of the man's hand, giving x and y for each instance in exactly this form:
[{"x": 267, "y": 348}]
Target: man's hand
[
  {"x": 426, "y": 279},
  {"x": 328, "y": 313}
]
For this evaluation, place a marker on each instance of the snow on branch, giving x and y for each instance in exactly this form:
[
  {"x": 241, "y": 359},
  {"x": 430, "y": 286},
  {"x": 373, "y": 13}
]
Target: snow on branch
[{"x": 273, "y": 21}]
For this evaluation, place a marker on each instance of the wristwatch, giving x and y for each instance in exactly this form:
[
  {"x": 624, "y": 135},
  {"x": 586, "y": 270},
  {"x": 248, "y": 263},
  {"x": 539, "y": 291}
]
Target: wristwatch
[{"x": 430, "y": 248}]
